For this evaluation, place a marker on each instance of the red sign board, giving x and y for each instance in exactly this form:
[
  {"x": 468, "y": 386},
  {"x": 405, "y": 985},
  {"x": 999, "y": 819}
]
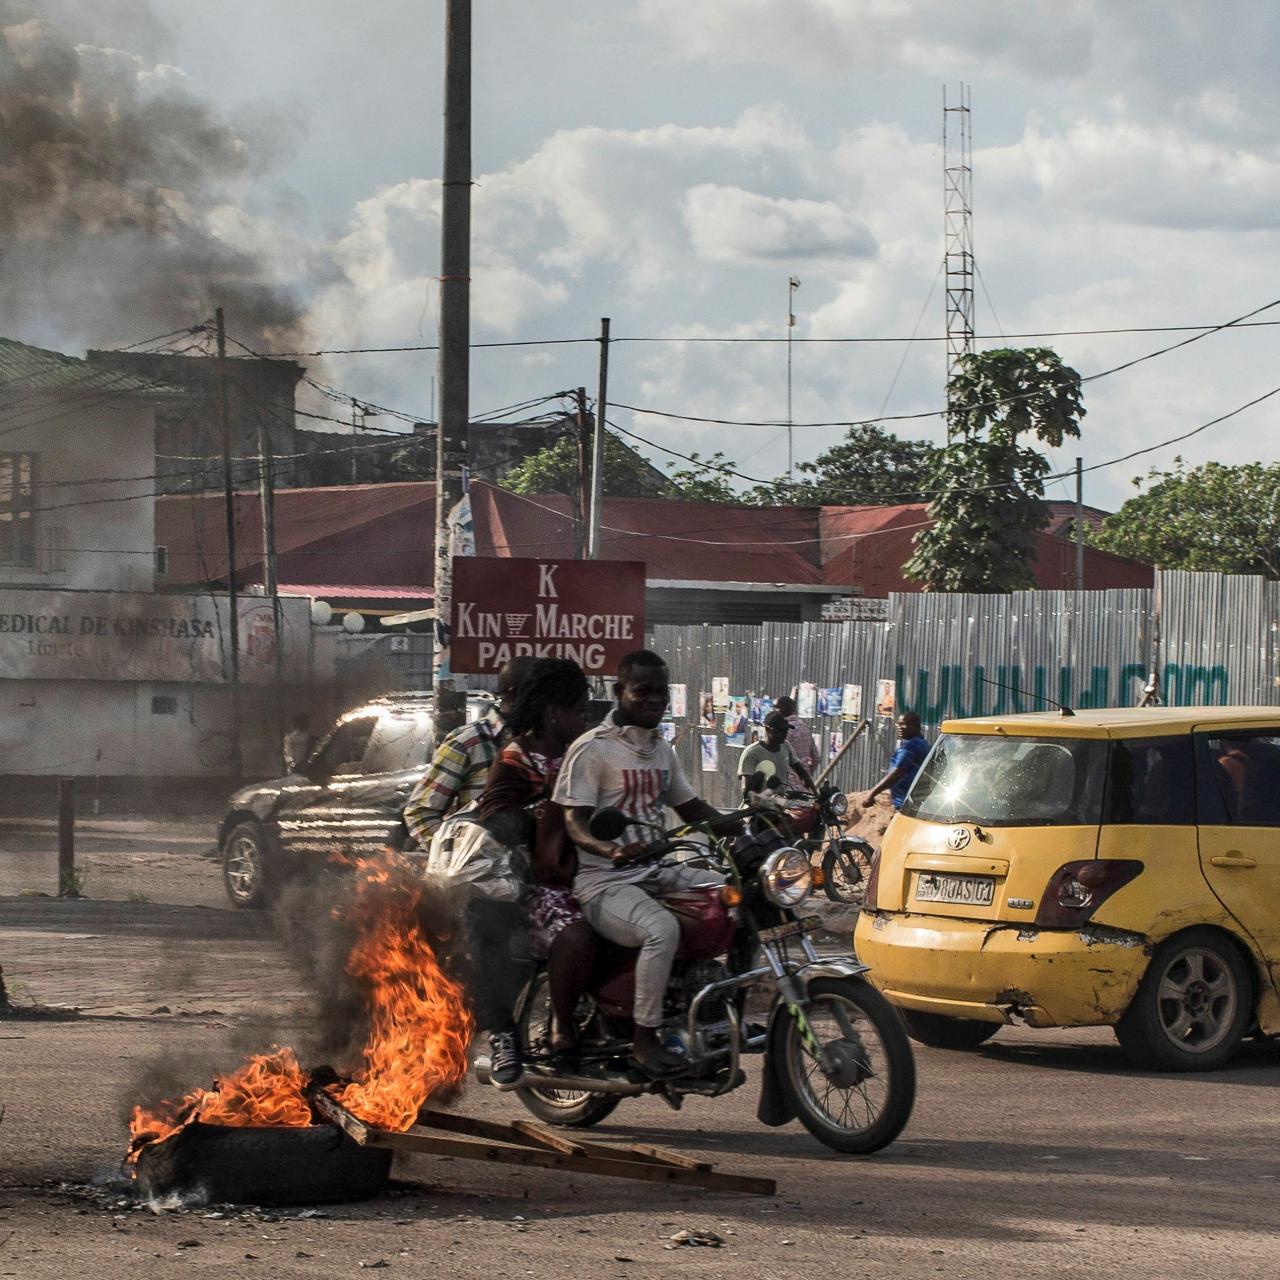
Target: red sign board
[{"x": 589, "y": 610}]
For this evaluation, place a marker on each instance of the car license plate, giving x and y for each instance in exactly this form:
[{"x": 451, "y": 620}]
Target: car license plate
[
  {"x": 978, "y": 891},
  {"x": 806, "y": 924}
]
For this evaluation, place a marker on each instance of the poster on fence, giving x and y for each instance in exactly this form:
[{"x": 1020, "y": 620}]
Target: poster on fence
[
  {"x": 710, "y": 753},
  {"x": 884, "y": 698},
  {"x": 807, "y": 700},
  {"x": 706, "y": 711},
  {"x": 720, "y": 692},
  {"x": 679, "y": 705},
  {"x": 667, "y": 730},
  {"x": 735, "y": 721},
  {"x": 760, "y": 708},
  {"x": 834, "y": 743},
  {"x": 851, "y": 702},
  {"x": 829, "y": 701}
]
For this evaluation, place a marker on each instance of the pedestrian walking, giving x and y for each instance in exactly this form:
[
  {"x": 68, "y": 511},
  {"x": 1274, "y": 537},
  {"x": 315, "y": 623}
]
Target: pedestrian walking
[
  {"x": 904, "y": 764},
  {"x": 804, "y": 748}
]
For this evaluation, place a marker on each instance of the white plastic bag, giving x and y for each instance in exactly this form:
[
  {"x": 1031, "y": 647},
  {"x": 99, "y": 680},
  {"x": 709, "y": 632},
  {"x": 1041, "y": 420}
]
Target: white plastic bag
[{"x": 467, "y": 858}]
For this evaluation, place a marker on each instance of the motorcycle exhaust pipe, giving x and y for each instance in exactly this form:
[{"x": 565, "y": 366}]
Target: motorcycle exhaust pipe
[{"x": 583, "y": 1084}]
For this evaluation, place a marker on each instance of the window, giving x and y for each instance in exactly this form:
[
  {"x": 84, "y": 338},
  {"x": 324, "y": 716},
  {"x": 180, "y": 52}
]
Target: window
[
  {"x": 345, "y": 749},
  {"x": 164, "y": 704},
  {"x": 17, "y": 509},
  {"x": 1152, "y": 781},
  {"x": 1245, "y": 772},
  {"x": 402, "y": 740},
  {"x": 1000, "y": 781},
  {"x": 55, "y": 549},
  {"x": 162, "y": 562}
]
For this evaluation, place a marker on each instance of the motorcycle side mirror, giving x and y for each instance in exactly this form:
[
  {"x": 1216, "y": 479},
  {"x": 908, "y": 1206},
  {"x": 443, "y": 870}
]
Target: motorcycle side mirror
[{"x": 608, "y": 824}]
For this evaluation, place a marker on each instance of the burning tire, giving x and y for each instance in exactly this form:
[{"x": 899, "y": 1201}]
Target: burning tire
[
  {"x": 571, "y": 1109},
  {"x": 244, "y": 865}
]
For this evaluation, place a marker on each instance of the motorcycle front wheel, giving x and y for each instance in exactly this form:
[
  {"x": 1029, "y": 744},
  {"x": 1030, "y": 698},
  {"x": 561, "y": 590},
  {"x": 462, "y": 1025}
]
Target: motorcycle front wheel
[
  {"x": 853, "y": 1087},
  {"x": 572, "y": 1109}
]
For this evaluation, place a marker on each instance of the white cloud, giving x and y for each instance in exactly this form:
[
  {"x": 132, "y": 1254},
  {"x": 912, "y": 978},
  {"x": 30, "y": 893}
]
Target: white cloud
[{"x": 728, "y": 224}]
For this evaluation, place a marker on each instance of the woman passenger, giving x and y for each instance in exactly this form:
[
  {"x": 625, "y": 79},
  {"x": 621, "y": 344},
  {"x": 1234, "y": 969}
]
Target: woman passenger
[{"x": 549, "y": 713}]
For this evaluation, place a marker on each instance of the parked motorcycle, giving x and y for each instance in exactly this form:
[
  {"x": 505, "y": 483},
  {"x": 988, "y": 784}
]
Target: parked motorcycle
[
  {"x": 836, "y": 1055},
  {"x": 814, "y": 823}
]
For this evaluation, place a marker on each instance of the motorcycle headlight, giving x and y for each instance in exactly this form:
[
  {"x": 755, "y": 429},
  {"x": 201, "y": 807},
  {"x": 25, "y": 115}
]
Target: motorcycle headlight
[
  {"x": 786, "y": 877},
  {"x": 839, "y": 803}
]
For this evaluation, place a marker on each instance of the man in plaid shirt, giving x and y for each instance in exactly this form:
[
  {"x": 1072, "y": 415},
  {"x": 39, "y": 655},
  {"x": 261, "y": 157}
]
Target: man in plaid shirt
[{"x": 461, "y": 763}]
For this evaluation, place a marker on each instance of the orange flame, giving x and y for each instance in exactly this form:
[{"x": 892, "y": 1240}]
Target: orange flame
[{"x": 419, "y": 1029}]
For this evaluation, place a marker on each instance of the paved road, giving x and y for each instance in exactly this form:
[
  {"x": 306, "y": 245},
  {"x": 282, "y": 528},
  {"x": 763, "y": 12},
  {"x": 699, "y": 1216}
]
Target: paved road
[{"x": 1040, "y": 1155}]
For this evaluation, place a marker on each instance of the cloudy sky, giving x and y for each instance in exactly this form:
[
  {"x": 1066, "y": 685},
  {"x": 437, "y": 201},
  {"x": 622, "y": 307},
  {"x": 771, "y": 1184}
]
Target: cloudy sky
[{"x": 669, "y": 164}]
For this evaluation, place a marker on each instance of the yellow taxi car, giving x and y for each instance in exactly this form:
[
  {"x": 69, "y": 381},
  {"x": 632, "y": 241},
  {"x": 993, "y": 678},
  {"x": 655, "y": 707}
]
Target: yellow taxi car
[{"x": 1104, "y": 868}]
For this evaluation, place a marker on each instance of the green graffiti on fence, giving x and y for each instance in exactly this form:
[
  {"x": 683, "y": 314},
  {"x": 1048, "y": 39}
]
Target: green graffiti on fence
[{"x": 954, "y": 691}]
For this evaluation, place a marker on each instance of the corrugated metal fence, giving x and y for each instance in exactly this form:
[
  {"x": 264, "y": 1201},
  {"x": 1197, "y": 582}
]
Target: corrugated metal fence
[{"x": 1213, "y": 640}]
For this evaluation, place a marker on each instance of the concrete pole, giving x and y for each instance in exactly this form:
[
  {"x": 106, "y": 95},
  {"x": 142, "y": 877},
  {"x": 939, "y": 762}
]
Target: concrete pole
[
  {"x": 67, "y": 886},
  {"x": 233, "y": 604},
  {"x": 455, "y": 342},
  {"x": 597, "y": 447}
]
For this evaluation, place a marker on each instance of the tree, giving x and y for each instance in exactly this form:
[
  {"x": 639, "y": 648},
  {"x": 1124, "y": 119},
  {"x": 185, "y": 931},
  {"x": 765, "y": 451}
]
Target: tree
[
  {"x": 1213, "y": 518},
  {"x": 555, "y": 470},
  {"x": 988, "y": 487},
  {"x": 707, "y": 480},
  {"x": 870, "y": 466}
]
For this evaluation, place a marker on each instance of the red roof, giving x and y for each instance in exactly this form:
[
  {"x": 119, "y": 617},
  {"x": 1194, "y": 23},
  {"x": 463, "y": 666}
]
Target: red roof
[{"x": 378, "y": 540}]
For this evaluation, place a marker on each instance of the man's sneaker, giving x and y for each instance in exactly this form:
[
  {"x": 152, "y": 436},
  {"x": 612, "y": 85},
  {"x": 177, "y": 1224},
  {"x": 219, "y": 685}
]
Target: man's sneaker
[{"x": 504, "y": 1064}]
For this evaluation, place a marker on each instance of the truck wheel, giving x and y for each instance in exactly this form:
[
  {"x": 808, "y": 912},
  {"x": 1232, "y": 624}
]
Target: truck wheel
[
  {"x": 940, "y": 1032},
  {"x": 1193, "y": 1006}
]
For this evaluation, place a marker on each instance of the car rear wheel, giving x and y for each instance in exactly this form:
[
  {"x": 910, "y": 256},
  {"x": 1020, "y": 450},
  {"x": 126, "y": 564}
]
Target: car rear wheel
[
  {"x": 940, "y": 1032},
  {"x": 1193, "y": 1006},
  {"x": 244, "y": 868}
]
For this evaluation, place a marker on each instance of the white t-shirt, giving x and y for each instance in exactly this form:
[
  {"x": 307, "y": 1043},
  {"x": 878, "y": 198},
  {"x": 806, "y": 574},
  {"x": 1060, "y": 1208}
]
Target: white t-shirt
[
  {"x": 626, "y": 767},
  {"x": 782, "y": 760}
]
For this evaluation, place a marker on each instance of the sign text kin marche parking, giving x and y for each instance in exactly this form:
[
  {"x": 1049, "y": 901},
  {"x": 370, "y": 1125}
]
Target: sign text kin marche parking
[{"x": 587, "y": 610}]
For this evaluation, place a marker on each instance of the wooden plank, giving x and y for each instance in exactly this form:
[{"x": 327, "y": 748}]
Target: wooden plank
[
  {"x": 621, "y": 1162},
  {"x": 641, "y": 1170},
  {"x": 663, "y": 1156},
  {"x": 544, "y": 1137}
]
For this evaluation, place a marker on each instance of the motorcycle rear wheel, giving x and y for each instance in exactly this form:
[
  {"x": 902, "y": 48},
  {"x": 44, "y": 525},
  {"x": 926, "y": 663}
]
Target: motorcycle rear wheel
[
  {"x": 869, "y": 1111},
  {"x": 571, "y": 1109},
  {"x": 845, "y": 872}
]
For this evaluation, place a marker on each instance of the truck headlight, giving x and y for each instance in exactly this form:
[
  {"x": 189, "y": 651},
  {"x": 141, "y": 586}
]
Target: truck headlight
[{"x": 786, "y": 877}]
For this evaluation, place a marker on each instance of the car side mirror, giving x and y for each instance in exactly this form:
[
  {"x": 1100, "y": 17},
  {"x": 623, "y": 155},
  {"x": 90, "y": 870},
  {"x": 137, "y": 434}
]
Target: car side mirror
[{"x": 608, "y": 824}]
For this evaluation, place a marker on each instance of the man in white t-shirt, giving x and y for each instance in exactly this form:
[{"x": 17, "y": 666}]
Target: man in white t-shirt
[
  {"x": 625, "y": 763},
  {"x": 775, "y": 750}
]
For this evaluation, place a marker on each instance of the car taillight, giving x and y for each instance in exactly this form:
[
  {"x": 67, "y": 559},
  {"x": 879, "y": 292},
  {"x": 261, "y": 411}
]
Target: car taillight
[
  {"x": 1077, "y": 889},
  {"x": 870, "y": 898}
]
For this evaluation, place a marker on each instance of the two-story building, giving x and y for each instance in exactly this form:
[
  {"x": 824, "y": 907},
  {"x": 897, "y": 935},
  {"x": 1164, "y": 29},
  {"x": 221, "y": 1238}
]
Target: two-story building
[{"x": 101, "y": 671}]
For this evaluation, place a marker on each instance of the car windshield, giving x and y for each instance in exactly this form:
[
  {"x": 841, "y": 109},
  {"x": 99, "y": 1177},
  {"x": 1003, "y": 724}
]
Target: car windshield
[{"x": 1001, "y": 781}]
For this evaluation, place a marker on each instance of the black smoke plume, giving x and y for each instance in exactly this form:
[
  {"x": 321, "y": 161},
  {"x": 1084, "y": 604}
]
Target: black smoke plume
[{"x": 121, "y": 194}]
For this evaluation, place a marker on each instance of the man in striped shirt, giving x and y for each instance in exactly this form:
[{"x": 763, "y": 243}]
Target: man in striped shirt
[{"x": 461, "y": 763}]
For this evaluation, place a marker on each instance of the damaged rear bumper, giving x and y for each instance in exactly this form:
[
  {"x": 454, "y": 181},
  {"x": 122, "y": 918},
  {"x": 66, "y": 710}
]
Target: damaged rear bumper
[{"x": 1003, "y": 972}]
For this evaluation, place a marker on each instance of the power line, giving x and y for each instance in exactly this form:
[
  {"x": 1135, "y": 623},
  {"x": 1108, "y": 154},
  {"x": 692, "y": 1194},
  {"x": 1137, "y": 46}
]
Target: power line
[
  {"x": 739, "y": 339},
  {"x": 941, "y": 413}
]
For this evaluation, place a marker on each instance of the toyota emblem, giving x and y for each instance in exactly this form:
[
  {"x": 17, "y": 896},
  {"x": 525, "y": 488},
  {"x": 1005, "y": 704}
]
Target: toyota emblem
[{"x": 959, "y": 838}]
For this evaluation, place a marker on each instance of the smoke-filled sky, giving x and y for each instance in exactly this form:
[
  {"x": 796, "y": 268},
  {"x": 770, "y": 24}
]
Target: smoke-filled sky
[{"x": 668, "y": 165}]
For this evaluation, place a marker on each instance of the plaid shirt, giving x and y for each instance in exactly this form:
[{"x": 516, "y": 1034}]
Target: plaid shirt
[{"x": 456, "y": 776}]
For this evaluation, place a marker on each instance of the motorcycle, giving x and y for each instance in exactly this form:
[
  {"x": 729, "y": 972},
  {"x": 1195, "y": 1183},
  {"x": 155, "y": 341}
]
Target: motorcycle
[
  {"x": 835, "y": 1052},
  {"x": 814, "y": 824}
]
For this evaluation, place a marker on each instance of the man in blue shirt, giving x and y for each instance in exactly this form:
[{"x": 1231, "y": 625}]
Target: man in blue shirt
[{"x": 904, "y": 764}]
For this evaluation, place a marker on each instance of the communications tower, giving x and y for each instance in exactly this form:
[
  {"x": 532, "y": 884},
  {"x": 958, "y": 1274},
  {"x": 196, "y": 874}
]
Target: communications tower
[{"x": 957, "y": 183}]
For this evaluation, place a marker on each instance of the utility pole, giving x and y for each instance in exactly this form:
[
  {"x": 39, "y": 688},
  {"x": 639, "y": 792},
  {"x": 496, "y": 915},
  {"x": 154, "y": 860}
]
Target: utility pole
[
  {"x": 233, "y": 604},
  {"x": 957, "y": 185},
  {"x": 583, "y": 436},
  {"x": 267, "y": 503},
  {"x": 455, "y": 343},
  {"x": 597, "y": 447},
  {"x": 792, "y": 285},
  {"x": 1079, "y": 524}
]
